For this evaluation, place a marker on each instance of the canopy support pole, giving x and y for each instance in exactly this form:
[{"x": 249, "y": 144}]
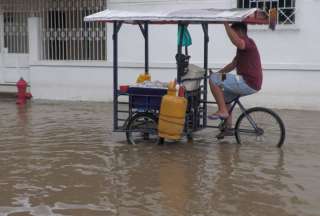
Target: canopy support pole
[
  {"x": 205, "y": 28},
  {"x": 180, "y": 46},
  {"x": 146, "y": 47},
  {"x": 145, "y": 32},
  {"x": 116, "y": 28}
]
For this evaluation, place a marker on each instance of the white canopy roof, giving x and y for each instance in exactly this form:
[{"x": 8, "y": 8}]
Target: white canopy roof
[{"x": 187, "y": 15}]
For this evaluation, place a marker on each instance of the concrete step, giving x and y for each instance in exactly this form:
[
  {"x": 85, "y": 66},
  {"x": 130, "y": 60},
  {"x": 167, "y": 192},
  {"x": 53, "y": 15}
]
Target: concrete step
[
  {"x": 8, "y": 87},
  {"x": 8, "y": 95},
  {"x": 8, "y": 90}
]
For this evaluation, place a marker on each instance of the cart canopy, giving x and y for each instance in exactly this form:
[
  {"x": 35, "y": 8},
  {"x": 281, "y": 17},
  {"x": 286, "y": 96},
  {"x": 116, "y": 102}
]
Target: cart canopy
[{"x": 250, "y": 16}]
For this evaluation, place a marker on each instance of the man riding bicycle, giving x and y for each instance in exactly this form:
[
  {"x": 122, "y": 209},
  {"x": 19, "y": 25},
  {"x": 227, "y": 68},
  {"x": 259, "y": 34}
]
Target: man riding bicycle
[{"x": 247, "y": 81}]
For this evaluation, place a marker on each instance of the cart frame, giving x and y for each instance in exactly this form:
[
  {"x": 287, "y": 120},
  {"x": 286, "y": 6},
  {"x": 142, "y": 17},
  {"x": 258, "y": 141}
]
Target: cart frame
[{"x": 144, "y": 27}]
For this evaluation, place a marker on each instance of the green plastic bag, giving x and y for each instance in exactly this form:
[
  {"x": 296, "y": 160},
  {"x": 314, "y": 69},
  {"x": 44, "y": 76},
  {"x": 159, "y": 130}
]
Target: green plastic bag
[{"x": 186, "y": 38}]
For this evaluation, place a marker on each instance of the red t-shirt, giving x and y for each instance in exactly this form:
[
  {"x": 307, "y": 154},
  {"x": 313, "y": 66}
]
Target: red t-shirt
[{"x": 249, "y": 64}]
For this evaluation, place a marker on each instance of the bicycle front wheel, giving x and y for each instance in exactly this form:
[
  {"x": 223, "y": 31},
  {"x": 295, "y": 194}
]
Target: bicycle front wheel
[{"x": 260, "y": 125}]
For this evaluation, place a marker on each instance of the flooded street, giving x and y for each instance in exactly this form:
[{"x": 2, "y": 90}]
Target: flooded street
[{"x": 61, "y": 158}]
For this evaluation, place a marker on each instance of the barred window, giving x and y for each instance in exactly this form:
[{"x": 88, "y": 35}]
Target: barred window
[
  {"x": 65, "y": 36},
  {"x": 15, "y": 26},
  {"x": 286, "y": 8}
]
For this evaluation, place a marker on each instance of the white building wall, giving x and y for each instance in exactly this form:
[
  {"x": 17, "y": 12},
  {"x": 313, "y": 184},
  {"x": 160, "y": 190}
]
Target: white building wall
[
  {"x": 12, "y": 65},
  {"x": 290, "y": 58}
]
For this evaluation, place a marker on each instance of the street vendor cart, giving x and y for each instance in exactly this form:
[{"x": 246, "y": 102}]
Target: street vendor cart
[{"x": 136, "y": 108}]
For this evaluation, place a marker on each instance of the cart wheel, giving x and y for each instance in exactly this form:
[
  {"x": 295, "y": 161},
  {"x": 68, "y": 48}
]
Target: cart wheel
[
  {"x": 190, "y": 137},
  {"x": 161, "y": 141},
  {"x": 142, "y": 128}
]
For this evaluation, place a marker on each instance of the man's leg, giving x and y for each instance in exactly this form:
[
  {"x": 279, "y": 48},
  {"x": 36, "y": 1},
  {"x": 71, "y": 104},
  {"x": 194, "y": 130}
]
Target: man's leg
[
  {"x": 229, "y": 119},
  {"x": 219, "y": 97},
  {"x": 229, "y": 85},
  {"x": 227, "y": 131}
]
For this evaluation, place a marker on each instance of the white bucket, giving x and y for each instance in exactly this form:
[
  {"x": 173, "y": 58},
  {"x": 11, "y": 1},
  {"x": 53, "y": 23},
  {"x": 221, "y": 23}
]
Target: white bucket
[{"x": 194, "y": 72}]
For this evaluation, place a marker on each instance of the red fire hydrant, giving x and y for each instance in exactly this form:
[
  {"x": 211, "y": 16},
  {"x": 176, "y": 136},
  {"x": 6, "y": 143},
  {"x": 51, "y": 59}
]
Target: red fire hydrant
[{"x": 22, "y": 95}]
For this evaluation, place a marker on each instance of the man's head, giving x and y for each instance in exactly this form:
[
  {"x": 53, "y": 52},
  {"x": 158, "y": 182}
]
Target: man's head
[{"x": 240, "y": 28}]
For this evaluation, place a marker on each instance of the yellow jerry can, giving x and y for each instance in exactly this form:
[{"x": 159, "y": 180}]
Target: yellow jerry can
[{"x": 172, "y": 114}]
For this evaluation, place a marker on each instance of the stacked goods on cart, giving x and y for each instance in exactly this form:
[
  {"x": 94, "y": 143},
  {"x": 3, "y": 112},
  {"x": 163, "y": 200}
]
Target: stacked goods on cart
[
  {"x": 172, "y": 114},
  {"x": 141, "y": 79},
  {"x": 145, "y": 95},
  {"x": 150, "y": 84},
  {"x": 144, "y": 81}
]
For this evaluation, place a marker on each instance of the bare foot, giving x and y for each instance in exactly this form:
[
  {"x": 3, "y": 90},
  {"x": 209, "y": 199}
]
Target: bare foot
[{"x": 218, "y": 115}]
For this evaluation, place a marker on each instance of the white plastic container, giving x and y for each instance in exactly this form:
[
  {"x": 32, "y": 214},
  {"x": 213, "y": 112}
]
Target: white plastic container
[{"x": 194, "y": 72}]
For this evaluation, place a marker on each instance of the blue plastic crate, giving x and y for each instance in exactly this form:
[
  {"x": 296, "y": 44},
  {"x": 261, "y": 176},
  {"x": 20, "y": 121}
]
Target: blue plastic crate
[{"x": 146, "y": 98}]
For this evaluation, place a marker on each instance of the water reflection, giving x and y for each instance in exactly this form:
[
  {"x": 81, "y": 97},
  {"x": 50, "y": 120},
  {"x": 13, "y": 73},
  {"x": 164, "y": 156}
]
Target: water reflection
[{"x": 61, "y": 158}]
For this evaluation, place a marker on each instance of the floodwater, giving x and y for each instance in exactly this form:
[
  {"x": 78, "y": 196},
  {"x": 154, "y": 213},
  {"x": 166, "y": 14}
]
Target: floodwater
[{"x": 61, "y": 158}]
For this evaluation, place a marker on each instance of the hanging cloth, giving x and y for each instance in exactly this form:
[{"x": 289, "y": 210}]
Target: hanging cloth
[{"x": 186, "y": 38}]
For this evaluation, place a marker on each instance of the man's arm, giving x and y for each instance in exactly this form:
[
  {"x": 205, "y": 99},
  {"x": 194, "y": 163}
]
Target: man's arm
[
  {"x": 229, "y": 67},
  {"x": 235, "y": 39}
]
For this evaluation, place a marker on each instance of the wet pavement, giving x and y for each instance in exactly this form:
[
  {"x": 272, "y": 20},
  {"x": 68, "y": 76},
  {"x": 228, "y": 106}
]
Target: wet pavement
[{"x": 61, "y": 158}]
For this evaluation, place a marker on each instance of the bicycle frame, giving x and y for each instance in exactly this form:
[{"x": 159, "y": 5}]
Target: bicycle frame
[{"x": 233, "y": 103}]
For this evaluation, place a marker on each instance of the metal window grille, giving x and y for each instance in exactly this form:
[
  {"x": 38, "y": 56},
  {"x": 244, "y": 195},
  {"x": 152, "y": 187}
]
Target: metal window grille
[
  {"x": 65, "y": 36},
  {"x": 286, "y": 8},
  {"x": 15, "y": 25}
]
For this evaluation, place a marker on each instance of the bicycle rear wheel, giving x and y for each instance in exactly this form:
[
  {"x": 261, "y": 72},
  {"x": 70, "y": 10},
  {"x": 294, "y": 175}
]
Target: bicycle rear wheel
[{"x": 260, "y": 126}]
